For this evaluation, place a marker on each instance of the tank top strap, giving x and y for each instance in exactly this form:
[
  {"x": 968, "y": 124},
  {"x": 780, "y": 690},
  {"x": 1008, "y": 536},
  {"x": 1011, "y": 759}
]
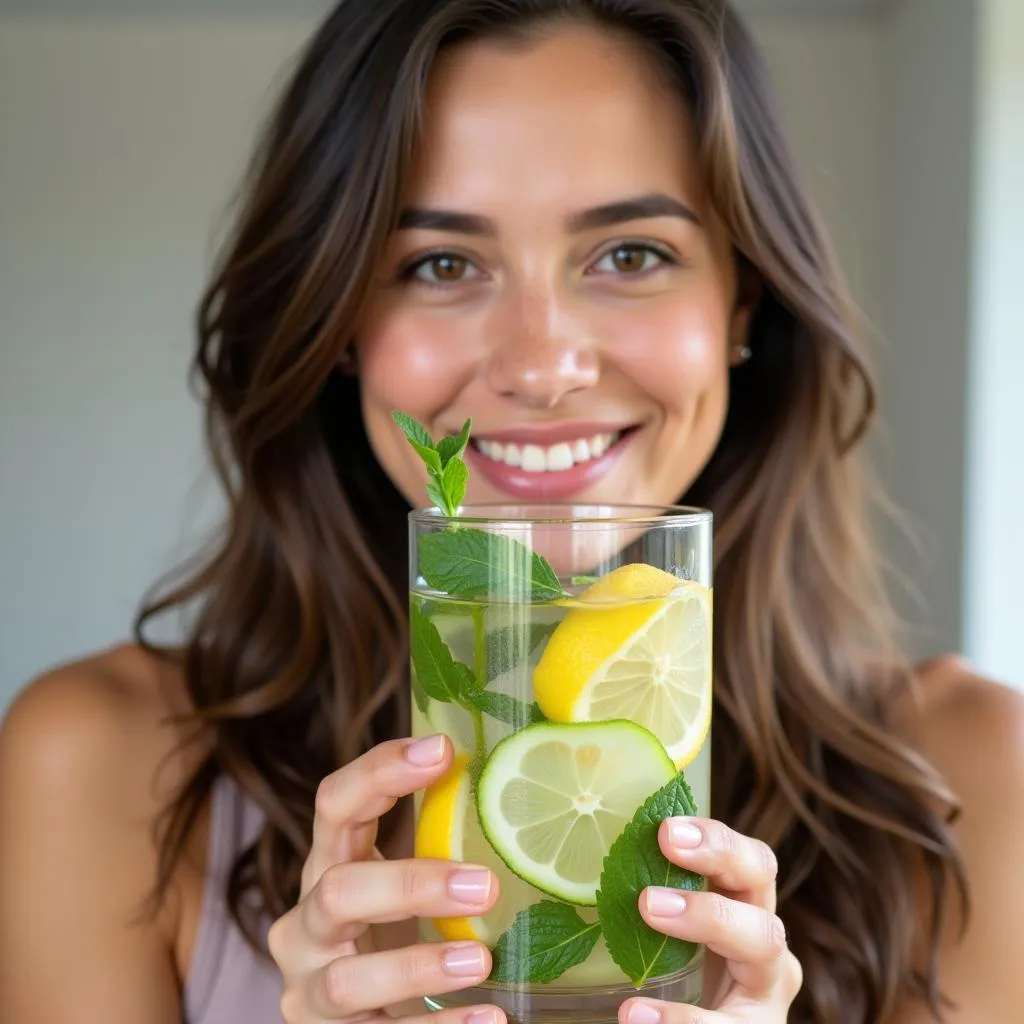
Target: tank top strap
[{"x": 228, "y": 981}]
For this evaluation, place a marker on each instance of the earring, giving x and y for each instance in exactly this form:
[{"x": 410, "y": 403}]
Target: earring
[
  {"x": 744, "y": 352},
  {"x": 347, "y": 360}
]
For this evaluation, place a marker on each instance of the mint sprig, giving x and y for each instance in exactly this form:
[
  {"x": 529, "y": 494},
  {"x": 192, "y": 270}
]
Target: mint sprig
[
  {"x": 543, "y": 942},
  {"x": 504, "y": 707},
  {"x": 477, "y": 563},
  {"x": 438, "y": 676},
  {"x": 437, "y": 672},
  {"x": 508, "y": 646},
  {"x": 468, "y": 562},
  {"x": 634, "y": 862},
  {"x": 448, "y": 473}
]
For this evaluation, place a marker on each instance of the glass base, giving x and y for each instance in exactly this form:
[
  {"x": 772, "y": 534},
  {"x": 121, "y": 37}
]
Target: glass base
[{"x": 591, "y": 1005}]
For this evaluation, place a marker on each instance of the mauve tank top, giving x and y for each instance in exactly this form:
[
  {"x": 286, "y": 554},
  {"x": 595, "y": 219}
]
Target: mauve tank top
[{"x": 228, "y": 983}]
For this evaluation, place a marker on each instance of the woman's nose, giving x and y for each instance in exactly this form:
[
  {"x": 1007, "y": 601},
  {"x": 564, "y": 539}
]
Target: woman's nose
[{"x": 541, "y": 355}]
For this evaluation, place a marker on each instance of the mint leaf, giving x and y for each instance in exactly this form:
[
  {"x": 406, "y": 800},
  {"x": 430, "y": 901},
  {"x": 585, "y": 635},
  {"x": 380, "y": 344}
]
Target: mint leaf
[
  {"x": 456, "y": 476},
  {"x": 416, "y": 434},
  {"x": 449, "y": 448},
  {"x": 474, "y": 563},
  {"x": 414, "y": 431},
  {"x": 633, "y": 863},
  {"x": 448, "y": 473},
  {"x": 544, "y": 941},
  {"x": 441, "y": 676},
  {"x": 438, "y": 497},
  {"x": 419, "y": 694},
  {"x": 509, "y": 646},
  {"x": 504, "y": 707}
]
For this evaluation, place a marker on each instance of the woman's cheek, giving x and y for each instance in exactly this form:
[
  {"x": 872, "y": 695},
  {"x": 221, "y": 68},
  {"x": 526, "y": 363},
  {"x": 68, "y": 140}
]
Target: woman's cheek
[
  {"x": 413, "y": 364},
  {"x": 408, "y": 365},
  {"x": 675, "y": 352}
]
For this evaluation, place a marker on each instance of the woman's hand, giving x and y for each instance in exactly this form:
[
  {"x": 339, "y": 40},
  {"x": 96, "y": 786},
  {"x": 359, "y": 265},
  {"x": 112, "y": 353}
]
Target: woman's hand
[
  {"x": 735, "y": 919},
  {"x": 330, "y": 971}
]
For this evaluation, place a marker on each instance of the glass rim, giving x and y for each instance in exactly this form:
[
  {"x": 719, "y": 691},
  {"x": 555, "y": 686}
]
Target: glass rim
[{"x": 561, "y": 513}]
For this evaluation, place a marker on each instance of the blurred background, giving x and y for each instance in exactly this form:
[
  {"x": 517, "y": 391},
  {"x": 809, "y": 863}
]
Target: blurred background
[{"x": 124, "y": 127}]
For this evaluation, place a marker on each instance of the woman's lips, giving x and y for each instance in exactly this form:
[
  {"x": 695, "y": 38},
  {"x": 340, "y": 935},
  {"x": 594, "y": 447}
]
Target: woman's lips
[{"x": 550, "y": 484}]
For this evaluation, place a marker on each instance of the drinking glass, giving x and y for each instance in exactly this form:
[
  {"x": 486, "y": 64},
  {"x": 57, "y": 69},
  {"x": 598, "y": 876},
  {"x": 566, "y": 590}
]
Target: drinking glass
[{"x": 566, "y": 652}]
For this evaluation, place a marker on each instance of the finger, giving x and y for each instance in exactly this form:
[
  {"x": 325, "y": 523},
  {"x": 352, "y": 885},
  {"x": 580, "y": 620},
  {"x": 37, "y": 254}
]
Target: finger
[
  {"x": 350, "y": 800},
  {"x": 483, "y": 1014},
  {"x": 752, "y": 940},
  {"x": 348, "y": 897},
  {"x": 732, "y": 862},
  {"x": 353, "y": 985},
  {"x": 463, "y": 1015},
  {"x": 654, "y": 1011}
]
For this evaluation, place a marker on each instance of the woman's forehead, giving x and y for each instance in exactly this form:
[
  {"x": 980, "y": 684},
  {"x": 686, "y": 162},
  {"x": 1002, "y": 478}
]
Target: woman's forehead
[{"x": 575, "y": 112}]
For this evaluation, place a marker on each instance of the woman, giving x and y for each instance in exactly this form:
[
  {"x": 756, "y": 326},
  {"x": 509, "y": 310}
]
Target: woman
[{"x": 574, "y": 216}]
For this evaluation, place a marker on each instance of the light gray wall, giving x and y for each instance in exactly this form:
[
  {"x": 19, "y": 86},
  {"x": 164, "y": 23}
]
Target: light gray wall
[
  {"x": 995, "y": 425},
  {"x": 121, "y": 145},
  {"x": 829, "y": 77},
  {"x": 925, "y": 260}
]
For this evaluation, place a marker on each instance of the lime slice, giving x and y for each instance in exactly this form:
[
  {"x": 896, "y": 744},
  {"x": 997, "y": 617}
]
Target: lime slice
[
  {"x": 636, "y": 645},
  {"x": 554, "y": 797}
]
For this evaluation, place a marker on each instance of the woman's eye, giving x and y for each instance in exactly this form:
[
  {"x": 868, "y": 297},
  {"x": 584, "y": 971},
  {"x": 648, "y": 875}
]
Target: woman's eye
[
  {"x": 629, "y": 259},
  {"x": 442, "y": 268}
]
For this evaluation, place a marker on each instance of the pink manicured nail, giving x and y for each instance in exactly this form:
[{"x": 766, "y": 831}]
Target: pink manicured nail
[
  {"x": 463, "y": 961},
  {"x": 470, "y": 885},
  {"x": 664, "y": 902},
  {"x": 483, "y": 1017},
  {"x": 684, "y": 835},
  {"x": 643, "y": 1013},
  {"x": 426, "y": 753}
]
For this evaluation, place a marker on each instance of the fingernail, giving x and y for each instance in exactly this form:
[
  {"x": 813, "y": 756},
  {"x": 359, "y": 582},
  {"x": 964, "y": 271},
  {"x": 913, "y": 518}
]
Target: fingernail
[
  {"x": 684, "y": 835},
  {"x": 470, "y": 885},
  {"x": 463, "y": 961},
  {"x": 643, "y": 1013},
  {"x": 483, "y": 1017},
  {"x": 664, "y": 902},
  {"x": 425, "y": 753}
]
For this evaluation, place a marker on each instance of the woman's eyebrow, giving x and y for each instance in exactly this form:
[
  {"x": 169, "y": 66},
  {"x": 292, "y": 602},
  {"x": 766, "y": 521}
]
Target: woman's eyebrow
[{"x": 654, "y": 204}]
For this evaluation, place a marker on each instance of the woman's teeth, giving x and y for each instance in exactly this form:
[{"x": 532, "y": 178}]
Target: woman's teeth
[{"x": 553, "y": 459}]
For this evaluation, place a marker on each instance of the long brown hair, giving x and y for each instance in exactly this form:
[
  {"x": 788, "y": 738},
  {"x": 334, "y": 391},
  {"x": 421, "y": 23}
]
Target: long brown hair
[{"x": 296, "y": 658}]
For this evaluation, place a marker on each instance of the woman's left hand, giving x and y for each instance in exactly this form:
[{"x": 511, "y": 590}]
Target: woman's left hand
[{"x": 735, "y": 919}]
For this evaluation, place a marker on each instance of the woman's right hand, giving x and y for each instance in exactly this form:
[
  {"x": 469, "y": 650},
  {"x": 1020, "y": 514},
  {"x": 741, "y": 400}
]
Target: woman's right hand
[{"x": 323, "y": 945}]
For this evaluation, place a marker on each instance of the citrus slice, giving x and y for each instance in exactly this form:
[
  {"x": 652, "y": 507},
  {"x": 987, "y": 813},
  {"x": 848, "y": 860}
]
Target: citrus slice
[
  {"x": 447, "y": 828},
  {"x": 554, "y": 797},
  {"x": 635, "y": 645}
]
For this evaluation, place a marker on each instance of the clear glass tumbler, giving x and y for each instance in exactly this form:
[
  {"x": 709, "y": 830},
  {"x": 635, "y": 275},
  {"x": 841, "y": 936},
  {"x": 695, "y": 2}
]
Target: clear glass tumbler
[{"x": 566, "y": 651}]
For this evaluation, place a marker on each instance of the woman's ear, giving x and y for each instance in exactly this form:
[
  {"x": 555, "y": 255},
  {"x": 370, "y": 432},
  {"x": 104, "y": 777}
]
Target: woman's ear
[
  {"x": 348, "y": 362},
  {"x": 749, "y": 291}
]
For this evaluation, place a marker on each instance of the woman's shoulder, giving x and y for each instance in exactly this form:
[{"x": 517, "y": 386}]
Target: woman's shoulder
[
  {"x": 94, "y": 743},
  {"x": 88, "y": 759},
  {"x": 971, "y": 729},
  {"x": 105, "y": 715},
  {"x": 963, "y": 720}
]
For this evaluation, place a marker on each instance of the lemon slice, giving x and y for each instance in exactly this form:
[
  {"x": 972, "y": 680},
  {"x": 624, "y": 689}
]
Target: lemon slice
[
  {"x": 447, "y": 828},
  {"x": 553, "y": 798},
  {"x": 636, "y": 645}
]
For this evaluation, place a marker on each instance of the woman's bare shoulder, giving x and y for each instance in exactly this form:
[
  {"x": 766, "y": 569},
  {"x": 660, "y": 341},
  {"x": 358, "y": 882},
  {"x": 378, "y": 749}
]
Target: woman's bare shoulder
[
  {"x": 88, "y": 758},
  {"x": 971, "y": 729},
  {"x": 963, "y": 720},
  {"x": 106, "y": 715}
]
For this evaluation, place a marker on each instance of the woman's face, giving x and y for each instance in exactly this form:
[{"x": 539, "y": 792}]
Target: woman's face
[{"x": 559, "y": 277}]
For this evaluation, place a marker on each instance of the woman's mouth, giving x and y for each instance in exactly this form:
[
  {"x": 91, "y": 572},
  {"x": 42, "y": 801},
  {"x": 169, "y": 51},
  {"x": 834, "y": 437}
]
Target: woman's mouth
[{"x": 551, "y": 465}]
